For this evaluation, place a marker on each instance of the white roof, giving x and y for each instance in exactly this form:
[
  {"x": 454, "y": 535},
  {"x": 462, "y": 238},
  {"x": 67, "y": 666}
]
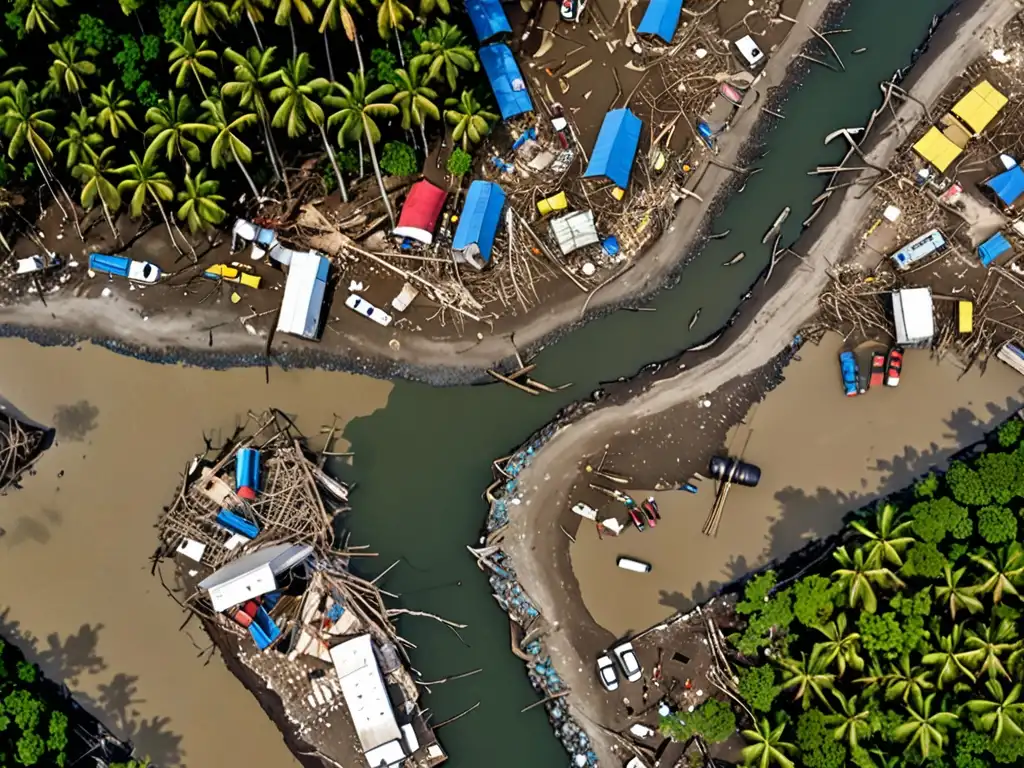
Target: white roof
[
  {"x": 303, "y": 294},
  {"x": 30, "y": 264},
  {"x": 365, "y": 694},
  {"x": 750, "y": 50},
  {"x": 574, "y": 230},
  {"x": 252, "y": 575},
  {"x": 912, "y": 311},
  {"x": 388, "y": 755}
]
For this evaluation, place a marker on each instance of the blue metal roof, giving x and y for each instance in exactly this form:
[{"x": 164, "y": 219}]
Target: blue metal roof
[
  {"x": 506, "y": 80},
  {"x": 1008, "y": 185},
  {"x": 488, "y": 18},
  {"x": 661, "y": 19},
  {"x": 481, "y": 217},
  {"x": 993, "y": 248},
  {"x": 616, "y": 147}
]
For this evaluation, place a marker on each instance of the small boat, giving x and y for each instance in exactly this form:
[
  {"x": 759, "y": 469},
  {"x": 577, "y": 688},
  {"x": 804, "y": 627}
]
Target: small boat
[
  {"x": 779, "y": 221},
  {"x": 693, "y": 320},
  {"x": 735, "y": 259},
  {"x": 637, "y": 518},
  {"x": 651, "y": 507},
  {"x": 637, "y": 566},
  {"x": 719, "y": 235}
]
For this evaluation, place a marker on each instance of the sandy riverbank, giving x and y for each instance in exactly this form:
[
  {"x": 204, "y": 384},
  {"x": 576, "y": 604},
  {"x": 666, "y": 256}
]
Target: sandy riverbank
[
  {"x": 128, "y": 326},
  {"x": 752, "y": 344},
  {"x": 80, "y": 532}
]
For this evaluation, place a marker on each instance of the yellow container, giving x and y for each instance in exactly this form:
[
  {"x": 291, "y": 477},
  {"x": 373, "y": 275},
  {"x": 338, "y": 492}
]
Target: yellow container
[
  {"x": 966, "y": 316},
  {"x": 222, "y": 272},
  {"x": 554, "y": 203},
  {"x": 618, "y": 193},
  {"x": 250, "y": 281}
]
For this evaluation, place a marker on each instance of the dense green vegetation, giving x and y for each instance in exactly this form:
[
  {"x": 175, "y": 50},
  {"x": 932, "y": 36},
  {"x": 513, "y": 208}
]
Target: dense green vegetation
[
  {"x": 175, "y": 106},
  {"x": 33, "y": 729},
  {"x": 908, "y": 649}
]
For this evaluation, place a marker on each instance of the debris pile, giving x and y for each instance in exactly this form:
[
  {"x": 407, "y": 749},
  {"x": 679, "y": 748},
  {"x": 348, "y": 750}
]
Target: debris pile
[{"x": 22, "y": 442}]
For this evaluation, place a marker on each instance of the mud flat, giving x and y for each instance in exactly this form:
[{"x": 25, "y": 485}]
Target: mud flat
[{"x": 80, "y": 533}]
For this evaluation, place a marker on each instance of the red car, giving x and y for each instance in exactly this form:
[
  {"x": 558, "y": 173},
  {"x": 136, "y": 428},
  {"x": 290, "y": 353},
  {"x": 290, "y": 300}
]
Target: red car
[
  {"x": 651, "y": 507},
  {"x": 894, "y": 366},
  {"x": 877, "y": 370},
  {"x": 637, "y": 517}
]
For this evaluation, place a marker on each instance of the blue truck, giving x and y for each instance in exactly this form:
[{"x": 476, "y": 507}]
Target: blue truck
[{"x": 851, "y": 376}]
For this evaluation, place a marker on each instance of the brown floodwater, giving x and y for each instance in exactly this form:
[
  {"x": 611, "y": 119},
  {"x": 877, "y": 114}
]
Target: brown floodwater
[
  {"x": 821, "y": 455},
  {"x": 78, "y": 594}
]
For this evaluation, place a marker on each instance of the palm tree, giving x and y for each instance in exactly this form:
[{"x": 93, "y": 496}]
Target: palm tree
[
  {"x": 205, "y": 16},
  {"x": 297, "y": 105},
  {"x": 253, "y": 11},
  {"x": 999, "y": 712},
  {"x": 200, "y": 203},
  {"x": 337, "y": 14},
  {"x": 807, "y": 675},
  {"x": 188, "y": 58},
  {"x": 427, "y": 7},
  {"x": 852, "y": 723},
  {"x": 80, "y": 140},
  {"x": 859, "y": 575},
  {"x": 227, "y": 145},
  {"x": 444, "y": 50},
  {"x": 923, "y": 729},
  {"x": 1005, "y": 570},
  {"x": 956, "y": 595},
  {"x": 470, "y": 120},
  {"x": 840, "y": 648},
  {"x": 67, "y": 72},
  {"x": 767, "y": 747},
  {"x": 93, "y": 173},
  {"x": 286, "y": 9},
  {"x": 902, "y": 680},
  {"x": 146, "y": 183},
  {"x": 40, "y": 15},
  {"x": 357, "y": 111},
  {"x": 415, "y": 100},
  {"x": 113, "y": 114},
  {"x": 887, "y": 540},
  {"x": 254, "y": 74},
  {"x": 988, "y": 645},
  {"x": 952, "y": 662},
  {"x": 391, "y": 17},
  {"x": 172, "y": 130},
  {"x": 27, "y": 128}
]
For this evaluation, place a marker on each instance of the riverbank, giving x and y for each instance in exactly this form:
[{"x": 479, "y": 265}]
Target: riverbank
[
  {"x": 140, "y": 323},
  {"x": 745, "y": 350}
]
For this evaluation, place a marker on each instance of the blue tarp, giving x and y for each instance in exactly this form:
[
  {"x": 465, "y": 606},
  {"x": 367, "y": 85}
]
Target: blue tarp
[
  {"x": 1008, "y": 185},
  {"x": 481, "y": 217},
  {"x": 661, "y": 19},
  {"x": 506, "y": 80},
  {"x": 488, "y": 18},
  {"x": 993, "y": 248},
  {"x": 616, "y": 147}
]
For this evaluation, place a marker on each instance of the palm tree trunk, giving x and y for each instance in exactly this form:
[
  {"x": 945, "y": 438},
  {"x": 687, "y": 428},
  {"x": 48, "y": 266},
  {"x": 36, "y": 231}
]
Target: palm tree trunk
[
  {"x": 199, "y": 81},
  {"x": 241, "y": 167},
  {"x": 334, "y": 164},
  {"x": 110, "y": 221},
  {"x": 401, "y": 54},
  {"x": 380, "y": 179},
  {"x": 170, "y": 232},
  {"x": 6, "y": 245},
  {"x": 330, "y": 64},
  {"x": 268, "y": 137},
  {"x": 255, "y": 31},
  {"x": 41, "y": 165},
  {"x": 423, "y": 135},
  {"x": 359, "y": 53},
  {"x": 295, "y": 46},
  {"x": 361, "y": 161}
]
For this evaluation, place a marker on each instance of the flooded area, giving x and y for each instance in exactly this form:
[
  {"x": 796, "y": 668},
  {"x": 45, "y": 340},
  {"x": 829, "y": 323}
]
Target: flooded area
[
  {"x": 80, "y": 532},
  {"x": 821, "y": 455}
]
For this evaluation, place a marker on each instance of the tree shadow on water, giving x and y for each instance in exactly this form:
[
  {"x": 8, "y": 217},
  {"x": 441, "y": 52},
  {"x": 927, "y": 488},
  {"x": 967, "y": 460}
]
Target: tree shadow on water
[
  {"x": 736, "y": 568},
  {"x": 70, "y": 660}
]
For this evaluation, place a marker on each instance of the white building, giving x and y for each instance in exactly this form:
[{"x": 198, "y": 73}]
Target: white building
[{"x": 914, "y": 315}]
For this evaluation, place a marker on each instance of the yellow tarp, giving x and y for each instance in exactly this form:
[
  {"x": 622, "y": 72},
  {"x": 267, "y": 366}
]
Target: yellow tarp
[
  {"x": 554, "y": 203},
  {"x": 966, "y": 316},
  {"x": 937, "y": 149},
  {"x": 980, "y": 106}
]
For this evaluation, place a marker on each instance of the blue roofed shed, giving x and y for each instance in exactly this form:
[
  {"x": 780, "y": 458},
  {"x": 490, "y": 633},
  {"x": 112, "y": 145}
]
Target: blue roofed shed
[
  {"x": 616, "y": 147},
  {"x": 993, "y": 248},
  {"x": 478, "y": 225},
  {"x": 506, "y": 80},
  {"x": 488, "y": 18},
  {"x": 661, "y": 19},
  {"x": 1008, "y": 186}
]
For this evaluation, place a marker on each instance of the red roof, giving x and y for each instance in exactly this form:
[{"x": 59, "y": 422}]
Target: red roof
[{"x": 422, "y": 208}]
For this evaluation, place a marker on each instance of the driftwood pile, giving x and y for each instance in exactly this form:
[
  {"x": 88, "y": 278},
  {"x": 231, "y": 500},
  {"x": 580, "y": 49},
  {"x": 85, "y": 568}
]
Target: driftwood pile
[{"x": 20, "y": 447}]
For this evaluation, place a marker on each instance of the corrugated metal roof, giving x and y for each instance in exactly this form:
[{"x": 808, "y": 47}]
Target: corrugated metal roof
[
  {"x": 488, "y": 18},
  {"x": 661, "y": 19},
  {"x": 506, "y": 80},
  {"x": 980, "y": 106},
  {"x": 366, "y": 696},
  {"x": 615, "y": 148},
  {"x": 481, "y": 217},
  {"x": 937, "y": 149},
  {"x": 914, "y": 316},
  {"x": 574, "y": 230}
]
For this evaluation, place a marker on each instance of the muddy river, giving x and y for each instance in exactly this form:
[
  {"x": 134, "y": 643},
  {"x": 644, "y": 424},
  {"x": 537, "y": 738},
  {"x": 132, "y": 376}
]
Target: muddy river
[{"x": 77, "y": 587}]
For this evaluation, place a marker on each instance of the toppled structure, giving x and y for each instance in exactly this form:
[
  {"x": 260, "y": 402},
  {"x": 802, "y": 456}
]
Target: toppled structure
[
  {"x": 22, "y": 442},
  {"x": 252, "y": 536}
]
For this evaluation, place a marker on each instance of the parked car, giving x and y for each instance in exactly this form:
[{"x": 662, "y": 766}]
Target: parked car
[
  {"x": 358, "y": 304},
  {"x": 571, "y": 10},
  {"x": 637, "y": 517},
  {"x": 848, "y": 366},
  {"x": 732, "y": 94},
  {"x": 894, "y": 367},
  {"x": 651, "y": 507},
  {"x": 649, "y": 514},
  {"x": 606, "y": 672},
  {"x": 136, "y": 271},
  {"x": 877, "y": 370},
  {"x": 628, "y": 663}
]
